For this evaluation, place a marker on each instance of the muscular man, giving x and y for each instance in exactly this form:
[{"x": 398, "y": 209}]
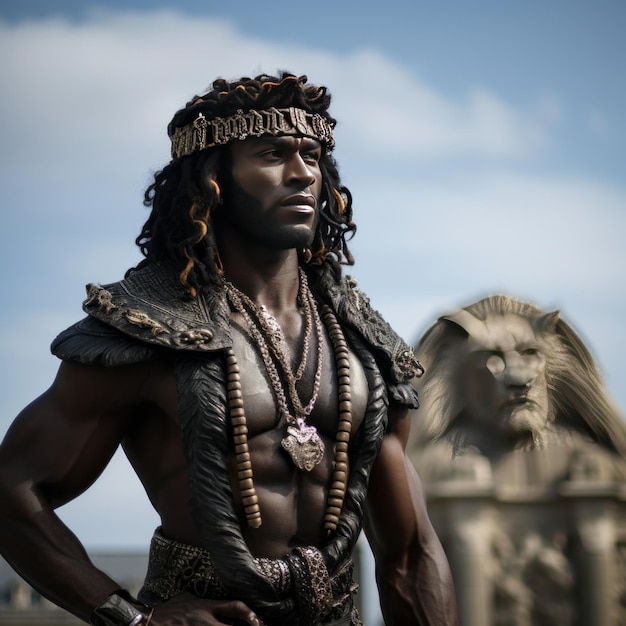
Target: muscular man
[{"x": 261, "y": 400}]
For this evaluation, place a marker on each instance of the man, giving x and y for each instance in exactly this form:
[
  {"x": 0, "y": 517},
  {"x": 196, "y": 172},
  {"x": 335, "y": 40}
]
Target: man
[{"x": 261, "y": 401}]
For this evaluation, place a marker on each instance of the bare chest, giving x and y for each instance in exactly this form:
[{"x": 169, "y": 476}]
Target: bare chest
[
  {"x": 291, "y": 501},
  {"x": 263, "y": 407}
]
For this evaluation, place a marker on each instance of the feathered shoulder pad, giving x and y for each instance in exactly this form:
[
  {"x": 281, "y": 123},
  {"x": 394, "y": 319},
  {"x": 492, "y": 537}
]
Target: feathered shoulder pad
[
  {"x": 150, "y": 310},
  {"x": 395, "y": 358},
  {"x": 151, "y": 306}
]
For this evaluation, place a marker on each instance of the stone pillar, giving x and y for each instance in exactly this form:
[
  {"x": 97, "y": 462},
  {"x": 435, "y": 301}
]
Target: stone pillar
[
  {"x": 469, "y": 556},
  {"x": 466, "y": 495},
  {"x": 21, "y": 595},
  {"x": 595, "y": 527}
]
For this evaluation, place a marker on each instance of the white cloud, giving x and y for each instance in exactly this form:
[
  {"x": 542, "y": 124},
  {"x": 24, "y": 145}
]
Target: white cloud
[
  {"x": 403, "y": 116},
  {"x": 504, "y": 228},
  {"x": 104, "y": 89},
  {"x": 86, "y": 105}
]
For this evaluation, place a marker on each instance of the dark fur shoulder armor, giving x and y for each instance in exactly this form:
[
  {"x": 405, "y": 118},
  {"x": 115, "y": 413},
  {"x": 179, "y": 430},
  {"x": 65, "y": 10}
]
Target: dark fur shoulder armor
[
  {"x": 405, "y": 394},
  {"x": 151, "y": 306},
  {"x": 395, "y": 358},
  {"x": 93, "y": 343}
]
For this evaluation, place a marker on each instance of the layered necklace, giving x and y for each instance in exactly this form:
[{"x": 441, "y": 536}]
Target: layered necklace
[{"x": 301, "y": 440}]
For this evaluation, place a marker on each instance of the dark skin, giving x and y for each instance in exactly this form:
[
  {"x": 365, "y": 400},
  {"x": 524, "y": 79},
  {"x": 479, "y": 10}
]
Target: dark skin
[{"x": 62, "y": 442}]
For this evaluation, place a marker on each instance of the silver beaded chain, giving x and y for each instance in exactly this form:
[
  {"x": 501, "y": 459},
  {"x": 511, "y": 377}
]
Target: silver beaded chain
[{"x": 263, "y": 331}]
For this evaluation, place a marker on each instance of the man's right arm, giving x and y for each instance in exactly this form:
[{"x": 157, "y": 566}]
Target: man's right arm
[{"x": 53, "y": 451}]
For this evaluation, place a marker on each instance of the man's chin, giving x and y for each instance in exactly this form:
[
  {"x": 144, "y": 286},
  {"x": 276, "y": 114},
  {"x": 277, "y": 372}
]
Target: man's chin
[{"x": 298, "y": 237}]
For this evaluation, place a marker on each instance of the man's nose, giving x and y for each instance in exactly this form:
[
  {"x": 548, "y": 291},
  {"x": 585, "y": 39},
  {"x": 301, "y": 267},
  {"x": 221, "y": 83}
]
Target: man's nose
[{"x": 298, "y": 170}]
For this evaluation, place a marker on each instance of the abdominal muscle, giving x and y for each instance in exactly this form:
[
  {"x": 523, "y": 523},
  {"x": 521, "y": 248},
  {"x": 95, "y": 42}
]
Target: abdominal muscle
[{"x": 292, "y": 502}]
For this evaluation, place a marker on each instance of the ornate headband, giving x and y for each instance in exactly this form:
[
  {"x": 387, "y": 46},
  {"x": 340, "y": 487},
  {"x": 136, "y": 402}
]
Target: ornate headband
[{"x": 203, "y": 133}]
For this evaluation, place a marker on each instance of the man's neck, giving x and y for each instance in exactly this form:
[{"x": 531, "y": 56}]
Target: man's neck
[{"x": 268, "y": 278}]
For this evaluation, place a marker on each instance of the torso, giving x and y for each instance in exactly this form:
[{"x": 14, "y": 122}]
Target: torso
[{"x": 292, "y": 501}]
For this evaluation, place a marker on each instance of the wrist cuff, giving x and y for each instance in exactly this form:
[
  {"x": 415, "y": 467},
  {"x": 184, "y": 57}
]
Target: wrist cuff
[{"x": 117, "y": 610}]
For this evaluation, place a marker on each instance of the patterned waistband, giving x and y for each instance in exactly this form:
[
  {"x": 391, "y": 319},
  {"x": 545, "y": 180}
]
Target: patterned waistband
[{"x": 175, "y": 567}]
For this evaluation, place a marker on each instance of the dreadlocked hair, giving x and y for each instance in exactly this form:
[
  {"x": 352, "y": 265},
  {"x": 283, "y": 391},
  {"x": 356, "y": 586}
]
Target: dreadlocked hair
[{"x": 180, "y": 230}]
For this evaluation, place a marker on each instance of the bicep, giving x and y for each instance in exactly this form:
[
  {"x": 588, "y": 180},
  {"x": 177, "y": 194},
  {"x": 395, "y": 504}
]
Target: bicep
[
  {"x": 412, "y": 572},
  {"x": 396, "y": 508},
  {"x": 62, "y": 441}
]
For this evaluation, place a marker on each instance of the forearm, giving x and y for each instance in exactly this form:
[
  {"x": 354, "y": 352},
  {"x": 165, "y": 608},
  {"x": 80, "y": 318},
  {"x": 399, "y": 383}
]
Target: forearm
[
  {"x": 414, "y": 579},
  {"x": 49, "y": 556},
  {"x": 416, "y": 588}
]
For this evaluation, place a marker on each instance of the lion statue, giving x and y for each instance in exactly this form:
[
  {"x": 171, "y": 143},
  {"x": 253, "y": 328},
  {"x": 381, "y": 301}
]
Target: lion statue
[
  {"x": 502, "y": 375},
  {"x": 517, "y": 443}
]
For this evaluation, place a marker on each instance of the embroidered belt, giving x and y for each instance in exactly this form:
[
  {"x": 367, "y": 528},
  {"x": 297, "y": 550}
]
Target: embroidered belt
[{"x": 175, "y": 567}]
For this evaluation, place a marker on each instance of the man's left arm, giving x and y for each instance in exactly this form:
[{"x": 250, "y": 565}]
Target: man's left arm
[{"x": 412, "y": 571}]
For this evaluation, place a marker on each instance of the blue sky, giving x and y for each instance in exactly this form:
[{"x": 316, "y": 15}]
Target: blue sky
[{"x": 484, "y": 144}]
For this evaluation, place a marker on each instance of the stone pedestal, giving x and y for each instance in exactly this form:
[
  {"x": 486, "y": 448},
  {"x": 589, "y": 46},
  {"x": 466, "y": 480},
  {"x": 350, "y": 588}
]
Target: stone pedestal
[{"x": 535, "y": 553}]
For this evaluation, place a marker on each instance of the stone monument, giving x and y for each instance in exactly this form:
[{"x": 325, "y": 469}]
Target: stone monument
[{"x": 523, "y": 457}]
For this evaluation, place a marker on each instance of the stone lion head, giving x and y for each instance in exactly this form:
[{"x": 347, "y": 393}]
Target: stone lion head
[{"x": 504, "y": 371}]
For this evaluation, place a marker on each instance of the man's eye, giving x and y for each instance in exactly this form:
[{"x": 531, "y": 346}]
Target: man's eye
[{"x": 311, "y": 157}]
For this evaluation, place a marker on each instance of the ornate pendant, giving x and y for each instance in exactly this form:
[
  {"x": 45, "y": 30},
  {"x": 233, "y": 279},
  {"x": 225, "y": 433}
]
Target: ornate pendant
[{"x": 304, "y": 445}]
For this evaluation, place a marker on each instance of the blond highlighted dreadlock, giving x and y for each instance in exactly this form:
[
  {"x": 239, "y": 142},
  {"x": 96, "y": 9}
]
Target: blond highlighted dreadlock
[
  {"x": 199, "y": 215},
  {"x": 180, "y": 230}
]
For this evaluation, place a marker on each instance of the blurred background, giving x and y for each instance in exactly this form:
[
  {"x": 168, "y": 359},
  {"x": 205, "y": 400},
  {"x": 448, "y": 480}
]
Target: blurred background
[{"x": 484, "y": 144}]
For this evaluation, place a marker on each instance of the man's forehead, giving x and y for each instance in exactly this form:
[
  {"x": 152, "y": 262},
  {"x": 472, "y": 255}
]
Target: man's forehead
[{"x": 281, "y": 140}]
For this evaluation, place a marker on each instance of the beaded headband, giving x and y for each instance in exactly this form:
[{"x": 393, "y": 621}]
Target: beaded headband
[{"x": 203, "y": 133}]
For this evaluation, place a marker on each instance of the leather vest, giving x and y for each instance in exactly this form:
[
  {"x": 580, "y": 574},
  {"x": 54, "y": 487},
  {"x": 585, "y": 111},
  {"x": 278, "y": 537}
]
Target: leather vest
[{"x": 149, "y": 314}]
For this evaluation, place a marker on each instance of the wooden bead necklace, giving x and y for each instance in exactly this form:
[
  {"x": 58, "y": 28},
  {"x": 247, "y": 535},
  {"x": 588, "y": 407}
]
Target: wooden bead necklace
[{"x": 302, "y": 441}]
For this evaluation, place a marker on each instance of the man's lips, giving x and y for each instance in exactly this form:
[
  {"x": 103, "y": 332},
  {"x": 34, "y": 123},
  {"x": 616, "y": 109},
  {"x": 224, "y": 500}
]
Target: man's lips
[{"x": 303, "y": 201}]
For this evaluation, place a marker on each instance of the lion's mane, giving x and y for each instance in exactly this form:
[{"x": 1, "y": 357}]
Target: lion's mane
[{"x": 577, "y": 395}]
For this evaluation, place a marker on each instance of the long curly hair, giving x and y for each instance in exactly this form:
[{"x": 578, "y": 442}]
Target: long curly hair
[{"x": 180, "y": 229}]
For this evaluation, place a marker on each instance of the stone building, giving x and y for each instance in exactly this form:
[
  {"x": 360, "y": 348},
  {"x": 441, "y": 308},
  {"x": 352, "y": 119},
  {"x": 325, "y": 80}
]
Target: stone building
[{"x": 537, "y": 540}]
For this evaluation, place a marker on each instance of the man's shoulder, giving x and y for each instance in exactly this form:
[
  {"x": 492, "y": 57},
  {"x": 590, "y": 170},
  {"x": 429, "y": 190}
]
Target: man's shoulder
[
  {"x": 355, "y": 311},
  {"x": 92, "y": 342},
  {"x": 151, "y": 306}
]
